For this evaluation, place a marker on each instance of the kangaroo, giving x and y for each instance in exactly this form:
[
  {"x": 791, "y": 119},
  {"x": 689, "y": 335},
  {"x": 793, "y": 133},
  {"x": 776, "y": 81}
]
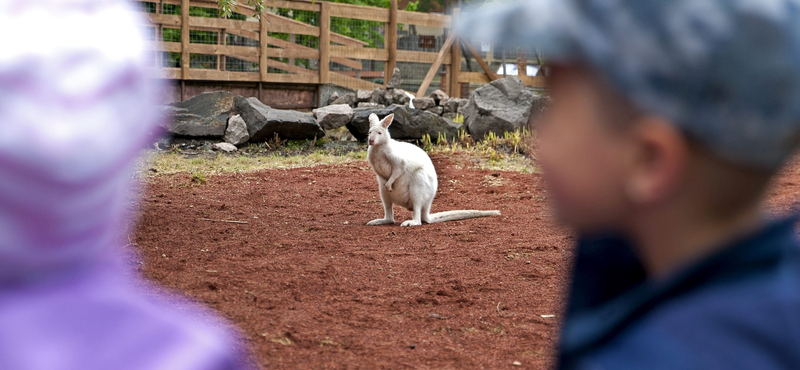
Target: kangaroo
[{"x": 406, "y": 177}]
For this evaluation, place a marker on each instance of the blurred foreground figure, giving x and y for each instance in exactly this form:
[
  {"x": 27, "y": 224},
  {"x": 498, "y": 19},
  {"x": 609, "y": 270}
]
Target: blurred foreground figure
[
  {"x": 669, "y": 119},
  {"x": 76, "y": 107}
]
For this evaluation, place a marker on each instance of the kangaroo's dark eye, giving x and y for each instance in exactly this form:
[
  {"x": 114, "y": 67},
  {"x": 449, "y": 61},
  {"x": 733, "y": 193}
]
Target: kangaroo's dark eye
[{"x": 379, "y": 133}]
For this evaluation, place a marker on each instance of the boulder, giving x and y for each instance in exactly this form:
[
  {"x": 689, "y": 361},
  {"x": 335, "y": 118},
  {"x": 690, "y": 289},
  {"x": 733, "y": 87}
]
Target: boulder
[
  {"x": 396, "y": 80},
  {"x": 408, "y": 124},
  {"x": 332, "y": 98},
  {"x": 396, "y": 96},
  {"x": 359, "y": 123},
  {"x": 423, "y": 103},
  {"x": 363, "y": 95},
  {"x": 450, "y": 116},
  {"x": 333, "y": 116},
  {"x": 435, "y": 110},
  {"x": 439, "y": 96},
  {"x": 378, "y": 97},
  {"x": 263, "y": 122},
  {"x": 349, "y": 99},
  {"x": 205, "y": 115},
  {"x": 424, "y": 122},
  {"x": 502, "y": 105},
  {"x": 369, "y": 104},
  {"x": 454, "y": 105},
  {"x": 225, "y": 147},
  {"x": 236, "y": 133}
]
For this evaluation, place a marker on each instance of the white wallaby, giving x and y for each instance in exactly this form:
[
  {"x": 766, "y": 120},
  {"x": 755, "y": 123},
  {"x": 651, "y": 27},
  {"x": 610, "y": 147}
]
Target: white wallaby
[{"x": 406, "y": 177}]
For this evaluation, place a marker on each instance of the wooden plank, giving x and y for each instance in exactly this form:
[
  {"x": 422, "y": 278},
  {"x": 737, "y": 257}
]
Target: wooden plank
[
  {"x": 492, "y": 76},
  {"x": 171, "y": 47},
  {"x": 455, "y": 69},
  {"x": 262, "y": 48},
  {"x": 353, "y": 83},
  {"x": 292, "y": 78},
  {"x": 481, "y": 78},
  {"x": 420, "y": 57},
  {"x": 424, "y": 19},
  {"x": 164, "y": 19},
  {"x": 325, "y": 43},
  {"x": 435, "y": 66},
  {"x": 354, "y": 64},
  {"x": 230, "y": 24},
  {"x": 215, "y": 75},
  {"x": 289, "y": 67},
  {"x": 312, "y": 53},
  {"x": 184, "y": 39},
  {"x": 297, "y": 5},
  {"x": 244, "y": 33},
  {"x": 367, "y": 13},
  {"x": 391, "y": 43},
  {"x": 362, "y": 74},
  {"x": 359, "y": 53},
  {"x": 248, "y": 53},
  {"x": 294, "y": 53}
]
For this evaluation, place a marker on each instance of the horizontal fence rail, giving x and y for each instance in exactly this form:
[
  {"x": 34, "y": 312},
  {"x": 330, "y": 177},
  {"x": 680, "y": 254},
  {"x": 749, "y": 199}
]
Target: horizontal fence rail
[{"x": 311, "y": 43}]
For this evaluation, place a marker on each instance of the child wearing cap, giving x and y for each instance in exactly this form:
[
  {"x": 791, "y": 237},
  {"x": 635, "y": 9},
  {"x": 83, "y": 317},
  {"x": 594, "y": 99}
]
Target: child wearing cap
[{"x": 669, "y": 119}]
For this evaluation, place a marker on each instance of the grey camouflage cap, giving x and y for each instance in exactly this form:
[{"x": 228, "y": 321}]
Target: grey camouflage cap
[{"x": 726, "y": 72}]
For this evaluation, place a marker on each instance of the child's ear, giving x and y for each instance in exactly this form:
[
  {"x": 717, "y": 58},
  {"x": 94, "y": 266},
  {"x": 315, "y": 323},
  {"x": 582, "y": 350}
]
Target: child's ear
[{"x": 388, "y": 120}]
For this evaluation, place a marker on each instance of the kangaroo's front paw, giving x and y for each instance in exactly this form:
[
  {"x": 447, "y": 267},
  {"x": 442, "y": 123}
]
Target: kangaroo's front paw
[
  {"x": 411, "y": 223},
  {"x": 380, "y": 221},
  {"x": 388, "y": 186}
]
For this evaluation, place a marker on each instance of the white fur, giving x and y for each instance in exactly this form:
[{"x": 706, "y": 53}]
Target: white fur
[{"x": 406, "y": 177}]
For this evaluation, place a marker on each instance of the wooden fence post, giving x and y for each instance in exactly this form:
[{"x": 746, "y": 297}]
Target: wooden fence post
[
  {"x": 184, "y": 46},
  {"x": 455, "y": 69},
  {"x": 262, "y": 50},
  {"x": 391, "y": 43},
  {"x": 324, "y": 43},
  {"x": 184, "y": 39}
]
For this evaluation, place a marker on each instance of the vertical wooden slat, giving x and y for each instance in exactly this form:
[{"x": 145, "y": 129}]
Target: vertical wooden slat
[
  {"x": 159, "y": 36},
  {"x": 262, "y": 49},
  {"x": 184, "y": 41},
  {"x": 455, "y": 68},
  {"x": 391, "y": 42},
  {"x": 324, "y": 42}
]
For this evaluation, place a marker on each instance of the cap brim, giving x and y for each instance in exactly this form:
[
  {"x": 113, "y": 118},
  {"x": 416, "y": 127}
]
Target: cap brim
[{"x": 549, "y": 26}]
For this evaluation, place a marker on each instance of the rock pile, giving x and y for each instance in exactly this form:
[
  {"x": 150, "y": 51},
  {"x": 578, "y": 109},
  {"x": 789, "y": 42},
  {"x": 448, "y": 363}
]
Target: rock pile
[{"x": 503, "y": 105}]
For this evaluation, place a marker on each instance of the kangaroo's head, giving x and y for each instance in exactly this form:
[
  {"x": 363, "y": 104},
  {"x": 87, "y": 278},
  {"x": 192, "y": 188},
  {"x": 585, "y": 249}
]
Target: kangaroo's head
[{"x": 379, "y": 129}]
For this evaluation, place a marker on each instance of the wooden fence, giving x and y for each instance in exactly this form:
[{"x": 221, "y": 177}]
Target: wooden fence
[{"x": 349, "y": 55}]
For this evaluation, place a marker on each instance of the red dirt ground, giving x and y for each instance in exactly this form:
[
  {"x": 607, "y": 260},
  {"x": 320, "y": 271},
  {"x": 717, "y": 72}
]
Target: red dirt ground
[{"x": 310, "y": 286}]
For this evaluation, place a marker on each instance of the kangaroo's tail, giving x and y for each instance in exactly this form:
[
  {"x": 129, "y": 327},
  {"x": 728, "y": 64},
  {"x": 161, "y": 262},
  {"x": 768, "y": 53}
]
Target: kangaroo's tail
[{"x": 459, "y": 215}]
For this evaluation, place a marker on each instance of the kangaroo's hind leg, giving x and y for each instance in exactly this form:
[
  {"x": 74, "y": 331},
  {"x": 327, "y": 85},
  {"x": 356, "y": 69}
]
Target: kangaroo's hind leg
[{"x": 388, "y": 212}]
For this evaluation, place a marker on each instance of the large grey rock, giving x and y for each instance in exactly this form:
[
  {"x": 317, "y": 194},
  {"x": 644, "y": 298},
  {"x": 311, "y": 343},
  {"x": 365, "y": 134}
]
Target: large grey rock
[
  {"x": 424, "y": 122},
  {"x": 225, "y": 147},
  {"x": 332, "y": 98},
  {"x": 396, "y": 80},
  {"x": 503, "y": 105},
  {"x": 439, "y": 96},
  {"x": 263, "y": 122},
  {"x": 396, "y": 96},
  {"x": 205, "y": 115},
  {"x": 363, "y": 95},
  {"x": 359, "y": 123},
  {"x": 423, "y": 103},
  {"x": 379, "y": 97},
  {"x": 333, "y": 116},
  {"x": 408, "y": 124},
  {"x": 435, "y": 110},
  {"x": 454, "y": 105},
  {"x": 236, "y": 133},
  {"x": 369, "y": 104},
  {"x": 349, "y": 99}
]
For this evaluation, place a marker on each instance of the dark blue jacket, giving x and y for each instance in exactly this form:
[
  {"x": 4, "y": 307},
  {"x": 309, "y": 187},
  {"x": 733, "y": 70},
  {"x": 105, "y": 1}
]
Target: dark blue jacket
[{"x": 737, "y": 309}]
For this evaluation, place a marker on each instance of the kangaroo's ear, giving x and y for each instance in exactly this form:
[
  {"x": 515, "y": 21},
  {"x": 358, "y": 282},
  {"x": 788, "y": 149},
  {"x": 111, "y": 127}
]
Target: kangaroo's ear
[
  {"x": 387, "y": 120},
  {"x": 373, "y": 119}
]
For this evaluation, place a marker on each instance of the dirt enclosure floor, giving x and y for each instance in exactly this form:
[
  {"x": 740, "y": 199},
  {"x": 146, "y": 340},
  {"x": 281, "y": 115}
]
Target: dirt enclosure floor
[{"x": 310, "y": 286}]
